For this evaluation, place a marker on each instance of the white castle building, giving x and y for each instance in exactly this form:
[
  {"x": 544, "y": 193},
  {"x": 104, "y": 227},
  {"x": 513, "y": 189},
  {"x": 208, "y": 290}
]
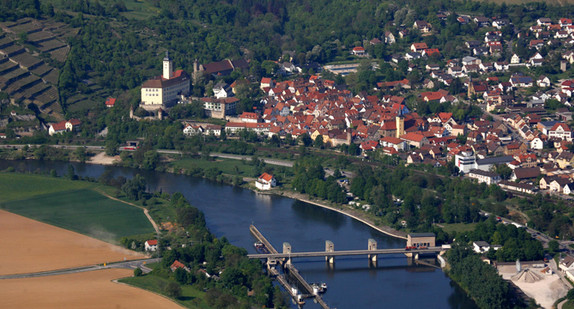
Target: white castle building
[{"x": 164, "y": 90}]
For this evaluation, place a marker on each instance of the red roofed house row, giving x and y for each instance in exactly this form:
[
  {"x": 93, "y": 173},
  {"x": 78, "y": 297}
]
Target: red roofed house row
[{"x": 165, "y": 89}]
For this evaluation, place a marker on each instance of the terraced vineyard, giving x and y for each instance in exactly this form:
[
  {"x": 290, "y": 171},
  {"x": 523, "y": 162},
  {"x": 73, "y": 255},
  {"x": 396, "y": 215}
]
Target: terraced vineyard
[{"x": 24, "y": 73}]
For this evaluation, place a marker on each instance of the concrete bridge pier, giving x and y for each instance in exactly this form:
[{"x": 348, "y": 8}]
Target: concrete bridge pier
[
  {"x": 329, "y": 247},
  {"x": 287, "y": 250},
  {"x": 372, "y": 245}
]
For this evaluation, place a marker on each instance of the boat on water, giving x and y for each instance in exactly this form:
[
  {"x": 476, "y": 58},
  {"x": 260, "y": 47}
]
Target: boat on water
[
  {"x": 319, "y": 287},
  {"x": 260, "y": 247}
]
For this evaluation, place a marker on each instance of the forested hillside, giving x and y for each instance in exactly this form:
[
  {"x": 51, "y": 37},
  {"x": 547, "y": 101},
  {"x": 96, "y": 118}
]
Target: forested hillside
[{"x": 121, "y": 42}]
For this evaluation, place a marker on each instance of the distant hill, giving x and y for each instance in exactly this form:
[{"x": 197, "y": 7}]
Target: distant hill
[
  {"x": 121, "y": 42},
  {"x": 549, "y": 2}
]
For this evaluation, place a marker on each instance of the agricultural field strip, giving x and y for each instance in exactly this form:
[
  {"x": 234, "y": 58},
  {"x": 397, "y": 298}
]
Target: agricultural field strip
[
  {"x": 72, "y": 205},
  {"x": 84, "y": 211}
]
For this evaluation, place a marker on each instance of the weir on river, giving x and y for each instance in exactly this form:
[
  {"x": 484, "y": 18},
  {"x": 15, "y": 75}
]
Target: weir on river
[{"x": 291, "y": 270}]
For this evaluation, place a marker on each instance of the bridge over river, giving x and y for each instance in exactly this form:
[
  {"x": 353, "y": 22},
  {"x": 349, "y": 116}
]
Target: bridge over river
[
  {"x": 417, "y": 244},
  {"x": 344, "y": 253}
]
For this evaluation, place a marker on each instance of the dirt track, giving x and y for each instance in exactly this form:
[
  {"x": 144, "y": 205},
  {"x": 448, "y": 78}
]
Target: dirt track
[
  {"x": 32, "y": 246},
  {"x": 86, "y": 290}
]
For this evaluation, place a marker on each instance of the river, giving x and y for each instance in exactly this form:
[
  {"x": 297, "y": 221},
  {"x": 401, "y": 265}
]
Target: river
[{"x": 351, "y": 282}]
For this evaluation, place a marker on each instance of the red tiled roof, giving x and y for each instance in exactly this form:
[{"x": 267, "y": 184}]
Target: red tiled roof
[
  {"x": 177, "y": 264},
  {"x": 389, "y": 125},
  {"x": 266, "y": 177},
  {"x": 369, "y": 145},
  {"x": 249, "y": 115},
  {"x": 75, "y": 122},
  {"x": 179, "y": 76},
  {"x": 391, "y": 140},
  {"x": 413, "y": 136},
  {"x": 432, "y": 51},
  {"x": 560, "y": 124},
  {"x": 110, "y": 101},
  {"x": 420, "y": 46},
  {"x": 59, "y": 126},
  {"x": 444, "y": 117}
]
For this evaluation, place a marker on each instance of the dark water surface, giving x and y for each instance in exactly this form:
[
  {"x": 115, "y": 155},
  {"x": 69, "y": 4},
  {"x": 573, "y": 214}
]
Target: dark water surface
[{"x": 351, "y": 283}]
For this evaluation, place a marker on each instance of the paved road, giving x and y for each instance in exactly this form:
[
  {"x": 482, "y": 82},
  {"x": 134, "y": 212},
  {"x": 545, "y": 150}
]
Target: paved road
[
  {"x": 248, "y": 158},
  {"x": 543, "y": 238},
  {"x": 128, "y": 264},
  {"x": 70, "y": 147},
  {"x": 163, "y": 151}
]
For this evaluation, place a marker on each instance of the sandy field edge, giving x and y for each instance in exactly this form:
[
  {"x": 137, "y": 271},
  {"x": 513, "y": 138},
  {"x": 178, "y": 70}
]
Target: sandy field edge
[
  {"x": 36, "y": 246},
  {"x": 95, "y": 289}
]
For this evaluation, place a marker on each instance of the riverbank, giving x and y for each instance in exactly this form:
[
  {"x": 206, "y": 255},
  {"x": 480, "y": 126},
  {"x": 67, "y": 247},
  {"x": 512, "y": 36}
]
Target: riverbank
[
  {"x": 346, "y": 210},
  {"x": 103, "y": 159}
]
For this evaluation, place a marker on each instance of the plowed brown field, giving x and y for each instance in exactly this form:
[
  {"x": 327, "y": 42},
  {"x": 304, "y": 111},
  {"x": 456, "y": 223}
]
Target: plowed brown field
[
  {"x": 32, "y": 246},
  {"x": 92, "y": 289}
]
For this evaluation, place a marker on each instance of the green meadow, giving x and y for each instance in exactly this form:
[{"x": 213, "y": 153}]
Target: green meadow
[
  {"x": 190, "y": 296},
  {"x": 72, "y": 205}
]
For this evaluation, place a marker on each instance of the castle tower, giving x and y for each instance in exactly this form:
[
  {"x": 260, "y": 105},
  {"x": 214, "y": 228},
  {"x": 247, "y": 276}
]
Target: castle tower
[
  {"x": 400, "y": 122},
  {"x": 196, "y": 71},
  {"x": 167, "y": 67}
]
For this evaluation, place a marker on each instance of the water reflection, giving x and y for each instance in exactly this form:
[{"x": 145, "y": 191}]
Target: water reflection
[{"x": 306, "y": 211}]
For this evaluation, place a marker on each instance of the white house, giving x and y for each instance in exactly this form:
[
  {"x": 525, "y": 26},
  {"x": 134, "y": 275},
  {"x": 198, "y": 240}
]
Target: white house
[
  {"x": 393, "y": 142},
  {"x": 484, "y": 176},
  {"x": 265, "y": 182},
  {"x": 560, "y": 131},
  {"x": 213, "y": 129},
  {"x": 480, "y": 246},
  {"x": 566, "y": 264},
  {"x": 222, "y": 90},
  {"x": 515, "y": 59},
  {"x": 191, "y": 129},
  {"x": 543, "y": 82},
  {"x": 151, "y": 245},
  {"x": 358, "y": 51},
  {"x": 266, "y": 82},
  {"x": 389, "y": 38},
  {"x": 537, "y": 143},
  {"x": 63, "y": 126}
]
